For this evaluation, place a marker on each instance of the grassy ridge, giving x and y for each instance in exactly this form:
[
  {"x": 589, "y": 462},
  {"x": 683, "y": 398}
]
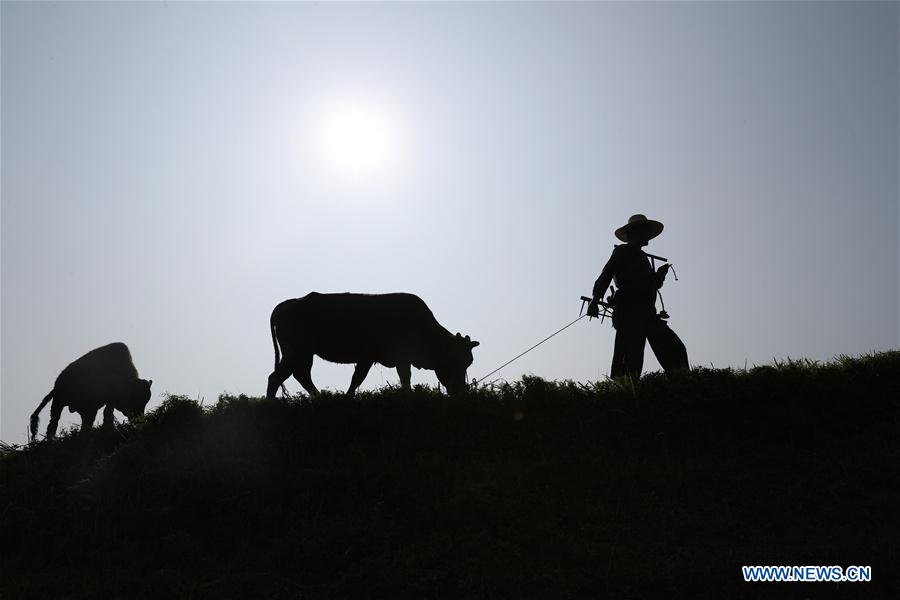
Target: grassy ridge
[{"x": 534, "y": 489}]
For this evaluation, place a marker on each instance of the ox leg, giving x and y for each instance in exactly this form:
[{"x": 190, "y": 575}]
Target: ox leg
[
  {"x": 55, "y": 411},
  {"x": 281, "y": 372},
  {"x": 404, "y": 372},
  {"x": 303, "y": 374},
  {"x": 359, "y": 374}
]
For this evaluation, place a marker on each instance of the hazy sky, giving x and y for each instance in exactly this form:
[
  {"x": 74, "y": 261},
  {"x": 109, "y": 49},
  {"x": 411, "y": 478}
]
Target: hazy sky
[{"x": 170, "y": 172}]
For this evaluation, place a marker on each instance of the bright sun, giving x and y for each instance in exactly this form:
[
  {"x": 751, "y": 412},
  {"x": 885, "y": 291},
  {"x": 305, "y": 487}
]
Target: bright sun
[{"x": 358, "y": 140}]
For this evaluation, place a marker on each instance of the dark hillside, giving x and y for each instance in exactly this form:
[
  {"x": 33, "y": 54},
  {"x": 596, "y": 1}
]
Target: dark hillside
[{"x": 529, "y": 490}]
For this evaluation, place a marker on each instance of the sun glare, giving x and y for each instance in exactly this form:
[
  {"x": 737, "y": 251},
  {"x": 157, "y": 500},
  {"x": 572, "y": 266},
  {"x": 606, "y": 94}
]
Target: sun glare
[{"x": 358, "y": 140}]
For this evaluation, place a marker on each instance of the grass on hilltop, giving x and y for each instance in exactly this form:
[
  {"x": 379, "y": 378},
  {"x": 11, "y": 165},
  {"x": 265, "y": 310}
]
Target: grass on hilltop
[{"x": 534, "y": 489}]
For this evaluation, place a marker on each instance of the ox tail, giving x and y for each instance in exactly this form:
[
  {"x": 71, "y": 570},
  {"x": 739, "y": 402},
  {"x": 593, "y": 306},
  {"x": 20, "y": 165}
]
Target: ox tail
[
  {"x": 35, "y": 416},
  {"x": 274, "y": 340},
  {"x": 284, "y": 391}
]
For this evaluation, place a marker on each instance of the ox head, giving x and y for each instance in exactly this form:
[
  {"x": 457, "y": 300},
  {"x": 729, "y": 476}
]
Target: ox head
[
  {"x": 456, "y": 359},
  {"x": 136, "y": 399}
]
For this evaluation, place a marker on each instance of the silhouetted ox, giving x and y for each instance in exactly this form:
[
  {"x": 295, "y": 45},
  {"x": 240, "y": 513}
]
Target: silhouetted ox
[
  {"x": 105, "y": 376},
  {"x": 396, "y": 330}
]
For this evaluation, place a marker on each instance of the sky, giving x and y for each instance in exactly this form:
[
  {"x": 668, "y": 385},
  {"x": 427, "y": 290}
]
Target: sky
[{"x": 172, "y": 171}]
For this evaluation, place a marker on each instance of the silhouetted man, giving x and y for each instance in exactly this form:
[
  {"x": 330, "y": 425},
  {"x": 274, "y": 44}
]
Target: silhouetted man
[{"x": 634, "y": 303}]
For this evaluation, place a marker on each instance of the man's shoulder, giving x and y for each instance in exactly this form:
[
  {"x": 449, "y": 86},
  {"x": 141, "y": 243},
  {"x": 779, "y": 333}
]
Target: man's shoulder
[{"x": 627, "y": 250}]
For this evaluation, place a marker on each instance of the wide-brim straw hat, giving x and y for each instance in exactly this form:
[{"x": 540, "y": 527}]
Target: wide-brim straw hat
[{"x": 639, "y": 227}]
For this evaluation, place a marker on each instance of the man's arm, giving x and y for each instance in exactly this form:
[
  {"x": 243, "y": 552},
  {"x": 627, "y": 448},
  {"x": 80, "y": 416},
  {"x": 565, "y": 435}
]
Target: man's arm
[
  {"x": 606, "y": 276},
  {"x": 602, "y": 283}
]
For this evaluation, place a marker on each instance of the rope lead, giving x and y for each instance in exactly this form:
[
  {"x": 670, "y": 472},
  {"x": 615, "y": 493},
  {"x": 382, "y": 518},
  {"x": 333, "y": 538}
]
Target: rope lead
[{"x": 475, "y": 382}]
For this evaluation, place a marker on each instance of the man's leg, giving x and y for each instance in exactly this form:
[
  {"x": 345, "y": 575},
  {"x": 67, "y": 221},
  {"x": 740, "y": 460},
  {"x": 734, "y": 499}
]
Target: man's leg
[
  {"x": 628, "y": 352},
  {"x": 634, "y": 350},
  {"x": 617, "y": 369},
  {"x": 667, "y": 346}
]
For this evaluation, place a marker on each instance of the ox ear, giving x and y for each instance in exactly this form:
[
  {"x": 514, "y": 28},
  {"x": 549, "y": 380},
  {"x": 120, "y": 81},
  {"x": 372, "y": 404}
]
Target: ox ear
[{"x": 473, "y": 344}]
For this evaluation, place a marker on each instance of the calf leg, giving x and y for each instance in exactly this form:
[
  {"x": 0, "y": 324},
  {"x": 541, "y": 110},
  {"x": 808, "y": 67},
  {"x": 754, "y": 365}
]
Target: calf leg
[
  {"x": 303, "y": 374},
  {"x": 109, "y": 420},
  {"x": 404, "y": 372},
  {"x": 87, "y": 420},
  {"x": 359, "y": 374},
  {"x": 55, "y": 411}
]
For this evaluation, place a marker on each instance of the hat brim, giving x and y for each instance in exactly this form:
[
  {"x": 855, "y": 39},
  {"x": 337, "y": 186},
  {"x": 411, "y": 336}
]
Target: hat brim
[{"x": 644, "y": 230}]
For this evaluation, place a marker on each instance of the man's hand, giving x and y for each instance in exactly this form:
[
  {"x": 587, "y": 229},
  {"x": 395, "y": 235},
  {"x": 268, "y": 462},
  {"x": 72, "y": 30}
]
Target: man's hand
[
  {"x": 661, "y": 274},
  {"x": 593, "y": 309}
]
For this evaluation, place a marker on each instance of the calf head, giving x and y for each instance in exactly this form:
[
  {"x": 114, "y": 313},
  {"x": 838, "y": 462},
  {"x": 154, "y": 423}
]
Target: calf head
[
  {"x": 136, "y": 398},
  {"x": 455, "y": 361}
]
